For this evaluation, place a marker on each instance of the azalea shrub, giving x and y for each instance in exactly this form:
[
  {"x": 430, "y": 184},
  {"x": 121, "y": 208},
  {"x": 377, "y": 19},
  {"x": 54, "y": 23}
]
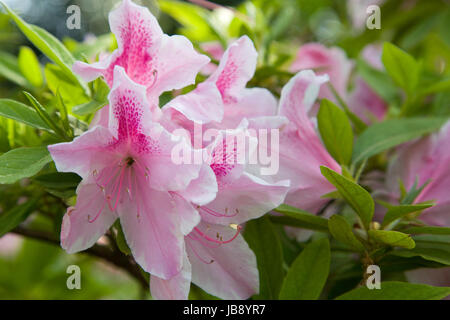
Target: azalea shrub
[{"x": 253, "y": 150}]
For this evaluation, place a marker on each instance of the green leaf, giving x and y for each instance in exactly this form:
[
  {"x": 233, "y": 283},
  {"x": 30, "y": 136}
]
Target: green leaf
[
  {"x": 192, "y": 17},
  {"x": 440, "y": 86},
  {"x": 392, "y": 238},
  {"x": 336, "y": 131},
  {"x": 431, "y": 254},
  {"x": 430, "y": 247},
  {"x": 64, "y": 116},
  {"x": 300, "y": 219},
  {"x": 45, "y": 116},
  {"x": 99, "y": 100},
  {"x": 428, "y": 230},
  {"x": 58, "y": 180},
  {"x": 9, "y": 68},
  {"x": 308, "y": 273},
  {"x": 262, "y": 238},
  {"x": 355, "y": 195},
  {"x": 12, "y": 218},
  {"x": 22, "y": 163},
  {"x": 48, "y": 45},
  {"x": 401, "y": 66},
  {"x": 390, "y": 133},
  {"x": 397, "y": 212},
  {"x": 342, "y": 231},
  {"x": 408, "y": 197},
  {"x": 394, "y": 290},
  {"x": 29, "y": 66},
  {"x": 57, "y": 81},
  {"x": 20, "y": 112}
]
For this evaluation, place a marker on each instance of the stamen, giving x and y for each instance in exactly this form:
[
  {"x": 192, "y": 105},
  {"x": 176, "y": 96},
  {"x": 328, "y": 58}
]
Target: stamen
[
  {"x": 110, "y": 177},
  {"x": 97, "y": 215},
  {"x": 217, "y": 214},
  {"x": 155, "y": 78},
  {"x": 203, "y": 241},
  {"x": 116, "y": 190},
  {"x": 220, "y": 241}
]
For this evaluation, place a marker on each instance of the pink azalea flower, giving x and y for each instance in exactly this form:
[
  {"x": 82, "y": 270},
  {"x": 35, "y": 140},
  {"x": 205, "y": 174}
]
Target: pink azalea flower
[
  {"x": 149, "y": 57},
  {"x": 217, "y": 257},
  {"x": 128, "y": 174},
  {"x": 223, "y": 100},
  {"x": 301, "y": 150},
  {"x": 218, "y": 260},
  {"x": 425, "y": 159},
  {"x": 331, "y": 61}
]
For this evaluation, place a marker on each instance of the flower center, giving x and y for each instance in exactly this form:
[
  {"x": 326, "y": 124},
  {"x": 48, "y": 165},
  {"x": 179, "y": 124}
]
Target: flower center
[{"x": 129, "y": 161}]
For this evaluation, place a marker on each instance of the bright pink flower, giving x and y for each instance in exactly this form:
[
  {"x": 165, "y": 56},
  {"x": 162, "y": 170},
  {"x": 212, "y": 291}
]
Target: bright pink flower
[
  {"x": 149, "y": 57},
  {"x": 128, "y": 174},
  {"x": 215, "y": 251},
  {"x": 331, "y": 61},
  {"x": 301, "y": 150},
  {"x": 427, "y": 159},
  {"x": 223, "y": 100},
  {"x": 218, "y": 259}
]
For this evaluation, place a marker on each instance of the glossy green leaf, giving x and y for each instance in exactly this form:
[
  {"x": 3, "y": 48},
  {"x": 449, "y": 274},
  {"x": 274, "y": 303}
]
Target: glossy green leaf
[
  {"x": 301, "y": 219},
  {"x": 336, "y": 131},
  {"x": 192, "y": 17},
  {"x": 397, "y": 212},
  {"x": 29, "y": 66},
  {"x": 9, "y": 69},
  {"x": 100, "y": 99},
  {"x": 22, "y": 163},
  {"x": 12, "y": 218},
  {"x": 355, "y": 195},
  {"x": 40, "y": 110},
  {"x": 308, "y": 273},
  {"x": 264, "y": 241},
  {"x": 430, "y": 247},
  {"x": 58, "y": 180},
  {"x": 342, "y": 231},
  {"x": 401, "y": 66},
  {"x": 390, "y": 133},
  {"x": 392, "y": 238},
  {"x": 48, "y": 45},
  {"x": 20, "y": 112},
  {"x": 428, "y": 230},
  {"x": 58, "y": 82}
]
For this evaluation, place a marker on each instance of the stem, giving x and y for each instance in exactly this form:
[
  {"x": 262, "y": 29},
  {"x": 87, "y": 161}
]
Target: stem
[{"x": 114, "y": 257}]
